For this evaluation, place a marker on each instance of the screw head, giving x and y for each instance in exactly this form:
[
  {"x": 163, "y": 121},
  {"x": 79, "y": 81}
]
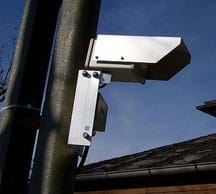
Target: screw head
[
  {"x": 86, "y": 135},
  {"x": 95, "y": 74},
  {"x": 85, "y": 74}
]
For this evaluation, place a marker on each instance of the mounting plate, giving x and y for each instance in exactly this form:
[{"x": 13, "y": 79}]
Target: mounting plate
[{"x": 84, "y": 107}]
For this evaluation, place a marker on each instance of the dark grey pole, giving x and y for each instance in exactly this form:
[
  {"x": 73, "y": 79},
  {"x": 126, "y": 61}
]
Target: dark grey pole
[
  {"x": 55, "y": 161},
  {"x": 25, "y": 92}
]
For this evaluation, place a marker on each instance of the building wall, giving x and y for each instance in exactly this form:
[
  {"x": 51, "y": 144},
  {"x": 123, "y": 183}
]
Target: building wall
[{"x": 189, "y": 189}]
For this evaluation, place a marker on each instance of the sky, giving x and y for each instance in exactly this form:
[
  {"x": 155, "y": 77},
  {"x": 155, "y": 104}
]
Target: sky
[
  {"x": 10, "y": 18},
  {"x": 157, "y": 113}
]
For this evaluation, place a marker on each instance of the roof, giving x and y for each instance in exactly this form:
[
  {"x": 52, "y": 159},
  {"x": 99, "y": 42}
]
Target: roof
[
  {"x": 195, "y": 151},
  {"x": 208, "y": 107}
]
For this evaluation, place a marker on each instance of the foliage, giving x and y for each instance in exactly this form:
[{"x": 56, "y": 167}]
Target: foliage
[{"x": 5, "y": 68}]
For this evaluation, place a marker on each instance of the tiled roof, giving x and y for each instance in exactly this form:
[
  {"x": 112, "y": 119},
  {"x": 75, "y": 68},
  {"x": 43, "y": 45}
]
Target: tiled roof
[{"x": 200, "y": 150}]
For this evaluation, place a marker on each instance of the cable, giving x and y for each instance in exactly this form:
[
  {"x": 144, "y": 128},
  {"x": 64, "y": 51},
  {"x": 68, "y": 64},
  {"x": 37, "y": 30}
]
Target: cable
[
  {"x": 85, "y": 153},
  {"x": 102, "y": 86}
]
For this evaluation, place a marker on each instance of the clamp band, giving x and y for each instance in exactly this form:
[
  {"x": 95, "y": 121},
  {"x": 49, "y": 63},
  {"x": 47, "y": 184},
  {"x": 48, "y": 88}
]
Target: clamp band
[{"x": 12, "y": 106}]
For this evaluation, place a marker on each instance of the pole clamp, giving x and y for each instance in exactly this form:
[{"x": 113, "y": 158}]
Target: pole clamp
[{"x": 13, "y": 106}]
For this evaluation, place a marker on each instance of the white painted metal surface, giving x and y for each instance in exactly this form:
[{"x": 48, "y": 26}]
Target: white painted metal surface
[
  {"x": 137, "y": 58},
  {"x": 134, "y": 49},
  {"x": 84, "y": 107}
]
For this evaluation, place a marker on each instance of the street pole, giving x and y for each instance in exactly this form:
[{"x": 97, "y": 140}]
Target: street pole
[
  {"x": 25, "y": 93},
  {"x": 55, "y": 162}
]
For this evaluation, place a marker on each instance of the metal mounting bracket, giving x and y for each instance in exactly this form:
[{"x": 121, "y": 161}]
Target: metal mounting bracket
[{"x": 85, "y": 104}]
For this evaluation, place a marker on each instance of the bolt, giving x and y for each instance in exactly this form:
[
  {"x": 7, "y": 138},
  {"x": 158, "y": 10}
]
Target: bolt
[
  {"x": 95, "y": 74},
  {"x": 122, "y": 58},
  {"x": 96, "y": 57},
  {"x": 85, "y": 74},
  {"x": 86, "y": 135}
]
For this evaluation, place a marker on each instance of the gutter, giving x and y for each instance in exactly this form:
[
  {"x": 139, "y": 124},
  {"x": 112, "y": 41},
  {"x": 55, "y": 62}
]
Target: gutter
[{"x": 149, "y": 172}]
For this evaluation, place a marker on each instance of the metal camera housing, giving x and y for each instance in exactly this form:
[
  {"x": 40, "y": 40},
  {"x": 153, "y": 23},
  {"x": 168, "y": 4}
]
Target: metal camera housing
[
  {"x": 122, "y": 59},
  {"x": 137, "y": 58}
]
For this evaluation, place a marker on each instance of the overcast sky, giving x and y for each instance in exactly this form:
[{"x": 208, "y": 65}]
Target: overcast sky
[{"x": 157, "y": 113}]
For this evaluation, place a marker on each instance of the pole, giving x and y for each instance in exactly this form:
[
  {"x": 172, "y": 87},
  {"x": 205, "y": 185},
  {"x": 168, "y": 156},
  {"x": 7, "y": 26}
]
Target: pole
[
  {"x": 55, "y": 162},
  {"x": 24, "y": 95}
]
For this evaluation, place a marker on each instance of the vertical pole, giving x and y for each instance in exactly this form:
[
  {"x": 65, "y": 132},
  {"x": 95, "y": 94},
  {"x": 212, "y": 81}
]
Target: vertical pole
[
  {"x": 55, "y": 162},
  {"x": 24, "y": 95}
]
